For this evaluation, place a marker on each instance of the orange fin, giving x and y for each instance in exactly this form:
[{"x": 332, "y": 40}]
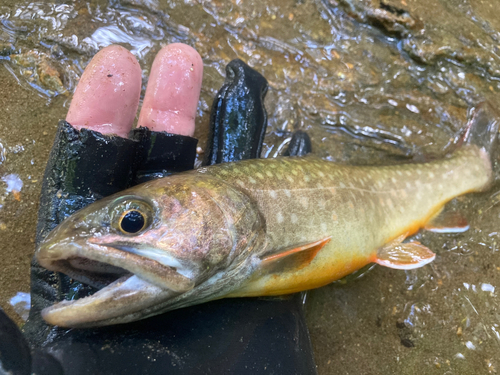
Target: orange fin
[
  {"x": 293, "y": 259},
  {"x": 403, "y": 256},
  {"x": 447, "y": 222}
]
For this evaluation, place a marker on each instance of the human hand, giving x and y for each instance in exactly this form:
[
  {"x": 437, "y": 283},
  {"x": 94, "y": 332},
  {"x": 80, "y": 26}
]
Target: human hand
[{"x": 192, "y": 336}]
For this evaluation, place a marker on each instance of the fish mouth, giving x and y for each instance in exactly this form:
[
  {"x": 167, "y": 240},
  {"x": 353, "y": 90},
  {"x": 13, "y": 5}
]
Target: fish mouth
[{"x": 129, "y": 278}]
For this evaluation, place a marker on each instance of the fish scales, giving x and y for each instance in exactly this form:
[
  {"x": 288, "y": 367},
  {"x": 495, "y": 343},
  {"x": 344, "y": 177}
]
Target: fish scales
[{"x": 304, "y": 199}]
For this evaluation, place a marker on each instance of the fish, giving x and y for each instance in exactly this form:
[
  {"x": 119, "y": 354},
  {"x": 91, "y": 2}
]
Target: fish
[{"x": 262, "y": 227}]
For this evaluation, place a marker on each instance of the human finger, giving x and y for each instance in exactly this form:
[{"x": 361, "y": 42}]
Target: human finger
[
  {"x": 107, "y": 96},
  {"x": 173, "y": 90}
]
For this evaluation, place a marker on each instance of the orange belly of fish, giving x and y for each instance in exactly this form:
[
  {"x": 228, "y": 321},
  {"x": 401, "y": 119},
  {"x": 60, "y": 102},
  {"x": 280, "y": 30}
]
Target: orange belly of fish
[{"x": 310, "y": 277}]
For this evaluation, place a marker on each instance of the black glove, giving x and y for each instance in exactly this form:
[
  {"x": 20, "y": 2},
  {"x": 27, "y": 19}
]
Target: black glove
[{"x": 229, "y": 336}]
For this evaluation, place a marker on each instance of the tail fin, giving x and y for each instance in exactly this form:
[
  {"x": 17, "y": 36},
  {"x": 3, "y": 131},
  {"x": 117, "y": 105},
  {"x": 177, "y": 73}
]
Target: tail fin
[{"x": 482, "y": 128}]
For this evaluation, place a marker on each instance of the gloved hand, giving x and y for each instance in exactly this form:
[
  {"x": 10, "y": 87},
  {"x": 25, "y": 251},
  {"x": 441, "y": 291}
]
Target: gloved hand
[{"x": 227, "y": 336}]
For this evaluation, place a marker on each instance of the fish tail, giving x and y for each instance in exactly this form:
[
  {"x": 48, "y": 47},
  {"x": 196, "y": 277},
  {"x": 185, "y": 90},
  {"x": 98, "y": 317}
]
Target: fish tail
[{"x": 482, "y": 129}]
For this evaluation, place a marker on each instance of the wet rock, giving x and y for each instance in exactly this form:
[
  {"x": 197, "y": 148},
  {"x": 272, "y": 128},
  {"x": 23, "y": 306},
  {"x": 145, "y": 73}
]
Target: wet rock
[
  {"x": 6, "y": 48},
  {"x": 40, "y": 70},
  {"x": 433, "y": 30}
]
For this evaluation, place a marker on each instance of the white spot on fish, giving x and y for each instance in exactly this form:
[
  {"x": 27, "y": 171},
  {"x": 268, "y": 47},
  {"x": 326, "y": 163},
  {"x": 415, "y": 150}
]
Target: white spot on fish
[
  {"x": 342, "y": 185},
  {"x": 321, "y": 174},
  {"x": 389, "y": 203},
  {"x": 304, "y": 202},
  {"x": 279, "y": 217},
  {"x": 431, "y": 175},
  {"x": 241, "y": 183},
  {"x": 260, "y": 175},
  {"x": 323, "y": 227},
  {"x": 252, "y": 180},
  {"x": 287, "y": 193},
  {"x": 289, "y": 178},
  {"x": 293, "y": 218},
  {"x": 269, "y": 174},
  {"x": 272, "y": 193}
]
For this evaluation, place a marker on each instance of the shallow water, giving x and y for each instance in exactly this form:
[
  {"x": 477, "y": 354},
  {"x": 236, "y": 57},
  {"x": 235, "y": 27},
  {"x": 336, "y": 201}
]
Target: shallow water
[{"x": 371, "y": 82}]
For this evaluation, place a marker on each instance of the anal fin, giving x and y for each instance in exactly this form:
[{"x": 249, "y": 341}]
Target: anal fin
[
  {"x": 293, "y": 259},
  {"x": 447, "y": 221},
  {"x": 403, "y": 256}
]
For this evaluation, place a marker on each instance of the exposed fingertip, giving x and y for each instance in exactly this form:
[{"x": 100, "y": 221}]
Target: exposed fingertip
[
  {"x": 173, "y": 90},
  {"x": 107, "y": 96}
]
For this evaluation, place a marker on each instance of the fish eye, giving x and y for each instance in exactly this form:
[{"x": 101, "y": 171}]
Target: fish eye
[
  {"x": 132, "y": 222},
  {"x": 131, "y": 215}
]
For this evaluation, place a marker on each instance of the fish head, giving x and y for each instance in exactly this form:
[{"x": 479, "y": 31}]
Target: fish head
[{"x": 147, "y": 245}]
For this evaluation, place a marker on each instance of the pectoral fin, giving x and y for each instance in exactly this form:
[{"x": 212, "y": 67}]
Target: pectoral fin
[
  {"x": 292, "y": 259},
  {"x": 447, "y": 222},
  {"x": 403, "y": 256}
]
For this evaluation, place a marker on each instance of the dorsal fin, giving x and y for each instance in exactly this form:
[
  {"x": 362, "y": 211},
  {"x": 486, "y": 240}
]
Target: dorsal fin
[{"x": 292, "y": 259}]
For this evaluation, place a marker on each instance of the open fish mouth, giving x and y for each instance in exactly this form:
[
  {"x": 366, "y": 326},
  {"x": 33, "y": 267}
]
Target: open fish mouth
[{"x": 129, "y": 279}]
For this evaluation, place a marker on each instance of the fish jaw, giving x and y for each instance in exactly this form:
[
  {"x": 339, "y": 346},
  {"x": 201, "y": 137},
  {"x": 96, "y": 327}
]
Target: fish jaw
[
  {"x": 83, "y": 261},
  {"x": 123, "y": 301},
  {"x": 129, "y": 283}
]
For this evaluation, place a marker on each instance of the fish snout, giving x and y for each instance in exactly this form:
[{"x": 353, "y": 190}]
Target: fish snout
[{"x": 51, "y": 250}]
